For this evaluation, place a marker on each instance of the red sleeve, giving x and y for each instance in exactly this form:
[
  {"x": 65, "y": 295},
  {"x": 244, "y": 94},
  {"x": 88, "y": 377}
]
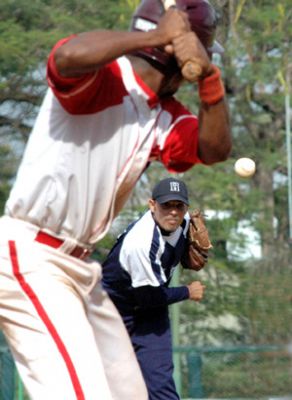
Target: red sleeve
[
  {"x": 180, "y": 150},
  {"x": 88, "y": 93}
]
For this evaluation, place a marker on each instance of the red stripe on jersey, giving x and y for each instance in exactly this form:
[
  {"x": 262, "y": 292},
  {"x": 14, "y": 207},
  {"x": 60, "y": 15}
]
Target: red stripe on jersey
[
  {"x": 174, "y": 107},
  {"x": 153, "y": 99},
  {"x": 46, "y": 320}
]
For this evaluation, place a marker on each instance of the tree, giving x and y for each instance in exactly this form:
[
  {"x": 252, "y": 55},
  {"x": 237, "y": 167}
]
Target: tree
[{"x": 258, "y": 54}]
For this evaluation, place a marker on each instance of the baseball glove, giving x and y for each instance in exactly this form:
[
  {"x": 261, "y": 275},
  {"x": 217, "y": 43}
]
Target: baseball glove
[{"x": 196, "y": 253}]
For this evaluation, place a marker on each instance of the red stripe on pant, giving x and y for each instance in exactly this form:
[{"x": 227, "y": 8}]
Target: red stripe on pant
[{"x": 46, "y": 320}]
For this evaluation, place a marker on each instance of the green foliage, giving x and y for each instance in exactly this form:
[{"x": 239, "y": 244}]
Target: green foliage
[
  {"x": 103, "y": 248},
  {"x": 7, "y": 372},
  {"x": 227, "y": 375},
  {"x": 7, "y": 162},
  {"x": 27, "y": 33}
]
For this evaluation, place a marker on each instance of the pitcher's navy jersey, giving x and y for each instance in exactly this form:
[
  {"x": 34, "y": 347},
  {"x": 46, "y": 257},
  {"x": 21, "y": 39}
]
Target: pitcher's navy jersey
[{"x": 137, "y": 272}]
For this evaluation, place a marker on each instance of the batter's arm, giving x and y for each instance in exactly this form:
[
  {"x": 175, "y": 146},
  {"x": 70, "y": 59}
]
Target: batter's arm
[
  {"x": 89, "y": 51},
  {"x": 215, "y": 141}
]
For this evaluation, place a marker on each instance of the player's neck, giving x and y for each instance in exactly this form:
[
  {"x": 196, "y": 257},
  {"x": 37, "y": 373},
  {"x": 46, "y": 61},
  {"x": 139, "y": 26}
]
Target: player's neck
[{"x": 150, "y": 75}]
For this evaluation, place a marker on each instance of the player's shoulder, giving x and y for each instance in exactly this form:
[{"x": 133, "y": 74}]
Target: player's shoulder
[
  {"x": 143, "y": 224},
  {"x": 141, "y": 232}
]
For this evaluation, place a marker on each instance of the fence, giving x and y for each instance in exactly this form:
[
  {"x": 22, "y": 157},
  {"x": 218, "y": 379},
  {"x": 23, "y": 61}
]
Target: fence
[{"x": 250, "y": 372}]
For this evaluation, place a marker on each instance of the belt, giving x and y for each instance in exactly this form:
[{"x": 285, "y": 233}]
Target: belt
[{"x": 45, "y": 238}]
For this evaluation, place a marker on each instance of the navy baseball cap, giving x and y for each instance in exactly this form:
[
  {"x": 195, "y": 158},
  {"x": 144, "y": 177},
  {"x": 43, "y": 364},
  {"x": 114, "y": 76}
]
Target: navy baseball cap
[{"x": 170, "y": 189}]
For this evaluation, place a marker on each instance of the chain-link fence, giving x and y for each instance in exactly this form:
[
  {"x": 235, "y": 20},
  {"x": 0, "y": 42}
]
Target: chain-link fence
[
  {"x": 237, "y": 342},
  {"x": 249, "y": 372}
]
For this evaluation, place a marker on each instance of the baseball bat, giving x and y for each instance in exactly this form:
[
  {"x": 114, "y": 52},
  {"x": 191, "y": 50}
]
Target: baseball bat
[{"x": 191, "y": 71}]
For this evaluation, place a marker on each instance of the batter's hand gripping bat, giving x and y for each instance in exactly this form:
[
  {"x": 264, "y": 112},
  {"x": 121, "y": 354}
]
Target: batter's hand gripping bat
[{"x": 191, "y": 71}]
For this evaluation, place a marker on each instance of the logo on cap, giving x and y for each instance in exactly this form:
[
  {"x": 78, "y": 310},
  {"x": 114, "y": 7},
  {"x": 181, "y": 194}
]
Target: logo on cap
[{"x": 174, "y": 186}]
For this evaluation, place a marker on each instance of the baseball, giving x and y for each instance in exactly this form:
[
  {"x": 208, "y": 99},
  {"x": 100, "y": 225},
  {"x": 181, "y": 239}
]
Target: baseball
[{"x": 245, "y": 167}]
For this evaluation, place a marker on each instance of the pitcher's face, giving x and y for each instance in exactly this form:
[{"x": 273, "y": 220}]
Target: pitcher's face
[{"x": 169, "y": 215}]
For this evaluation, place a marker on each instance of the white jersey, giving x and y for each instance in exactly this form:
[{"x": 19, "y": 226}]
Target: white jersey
[{"x": 91, "y": 141}]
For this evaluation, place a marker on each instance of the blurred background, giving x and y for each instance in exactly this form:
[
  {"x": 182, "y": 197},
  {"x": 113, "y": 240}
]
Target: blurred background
[{"x": 237, "y": 343}]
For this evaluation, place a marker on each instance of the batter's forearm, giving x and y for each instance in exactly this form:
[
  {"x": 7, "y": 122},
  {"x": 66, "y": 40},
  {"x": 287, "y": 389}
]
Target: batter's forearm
[
  {"x": 215, "y": 140},
  {"x": 89, "y": 51}
]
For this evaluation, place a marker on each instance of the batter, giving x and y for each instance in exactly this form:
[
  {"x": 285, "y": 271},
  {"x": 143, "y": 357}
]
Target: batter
[{"x": 107, "y": 114}]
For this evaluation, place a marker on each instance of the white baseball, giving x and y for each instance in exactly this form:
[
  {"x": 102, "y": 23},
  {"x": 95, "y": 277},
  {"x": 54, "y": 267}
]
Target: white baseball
[{"x": 245, "y": 167}]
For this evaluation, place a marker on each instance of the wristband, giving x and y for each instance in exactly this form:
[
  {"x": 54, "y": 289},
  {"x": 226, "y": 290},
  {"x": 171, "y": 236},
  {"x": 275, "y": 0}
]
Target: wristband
[{"x": 211, "y": 88}]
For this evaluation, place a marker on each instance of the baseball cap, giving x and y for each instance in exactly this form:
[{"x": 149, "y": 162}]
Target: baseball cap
[{"x": 170, "y": 189}]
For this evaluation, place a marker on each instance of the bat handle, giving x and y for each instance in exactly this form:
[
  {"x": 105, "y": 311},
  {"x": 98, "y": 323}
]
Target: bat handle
[{"x": 191, "y": 71}]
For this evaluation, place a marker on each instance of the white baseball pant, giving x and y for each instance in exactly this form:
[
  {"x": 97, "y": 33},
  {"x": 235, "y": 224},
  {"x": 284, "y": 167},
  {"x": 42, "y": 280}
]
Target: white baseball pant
[{"x": 66, "y": 336}]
